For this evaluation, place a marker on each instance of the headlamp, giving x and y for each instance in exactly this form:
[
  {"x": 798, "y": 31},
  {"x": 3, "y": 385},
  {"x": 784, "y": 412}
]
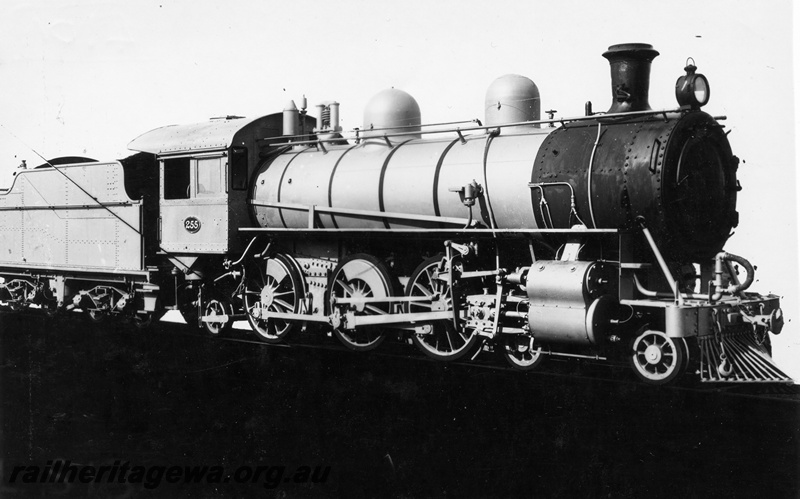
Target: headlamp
[{"x": 692, "y": 89}]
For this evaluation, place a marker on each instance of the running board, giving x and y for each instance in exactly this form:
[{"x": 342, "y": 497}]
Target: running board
[{"x": 744, "y": 360}]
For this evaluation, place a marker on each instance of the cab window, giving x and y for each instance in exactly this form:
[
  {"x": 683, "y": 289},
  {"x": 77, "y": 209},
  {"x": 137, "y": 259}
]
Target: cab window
[
  {"x": 177, "y": 178},
  {"x": 210, "y": 179},
  {"x": 239, "y": 168}
]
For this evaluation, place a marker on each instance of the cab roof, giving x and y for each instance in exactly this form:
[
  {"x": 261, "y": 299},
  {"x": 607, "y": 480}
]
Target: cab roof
[{"x": 215, "y": 134}]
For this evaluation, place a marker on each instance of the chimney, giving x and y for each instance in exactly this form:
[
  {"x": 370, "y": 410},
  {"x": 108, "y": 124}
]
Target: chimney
[{"x": 630, "y": 76}]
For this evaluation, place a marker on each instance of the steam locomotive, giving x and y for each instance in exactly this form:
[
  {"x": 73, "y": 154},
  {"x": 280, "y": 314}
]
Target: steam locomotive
[{"x": 599, "y": 236}]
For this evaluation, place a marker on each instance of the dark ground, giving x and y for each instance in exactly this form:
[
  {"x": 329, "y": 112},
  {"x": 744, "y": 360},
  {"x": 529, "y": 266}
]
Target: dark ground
[{"x": 387, "y": 426}]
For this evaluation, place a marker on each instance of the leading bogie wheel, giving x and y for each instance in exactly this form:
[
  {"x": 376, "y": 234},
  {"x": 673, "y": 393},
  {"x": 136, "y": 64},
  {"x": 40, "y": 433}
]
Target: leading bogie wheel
[
  {"x": 360, "y": 276},
  {"x": 520, "y": 352},
  {"x": 213, "y": 309},
  {"x": 443, "y": 340},
  {"x": 658, "y": 359},
  {"x": 273, "y": 286}
]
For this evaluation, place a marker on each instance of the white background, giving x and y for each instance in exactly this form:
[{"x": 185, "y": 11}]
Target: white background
[{"x": 82, "y": 77}]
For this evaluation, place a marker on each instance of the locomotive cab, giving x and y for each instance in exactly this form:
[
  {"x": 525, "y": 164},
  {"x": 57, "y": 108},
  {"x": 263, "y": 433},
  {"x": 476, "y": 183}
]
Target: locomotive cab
[
  {"x": 203, "y": 180},
  {"x": 194, "y": 198}
]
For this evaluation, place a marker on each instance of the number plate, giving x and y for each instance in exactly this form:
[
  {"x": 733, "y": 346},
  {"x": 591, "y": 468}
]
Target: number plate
[{"x": 191, "y": 225}]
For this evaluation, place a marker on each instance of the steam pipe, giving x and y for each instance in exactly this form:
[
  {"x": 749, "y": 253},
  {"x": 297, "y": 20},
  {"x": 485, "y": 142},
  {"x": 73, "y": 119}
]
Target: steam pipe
[
  {"x": 673, "y": 284},
  {"x": 724, "y": 256},
  {"x": 589, "y": 182},
  {"x": 658, "y": 294},
  {"x": 244, "y": 254}
]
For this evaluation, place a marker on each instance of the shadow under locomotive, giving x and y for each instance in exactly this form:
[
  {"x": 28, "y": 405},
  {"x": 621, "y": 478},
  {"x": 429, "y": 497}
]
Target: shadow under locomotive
[{"x": 386, "y": 426}]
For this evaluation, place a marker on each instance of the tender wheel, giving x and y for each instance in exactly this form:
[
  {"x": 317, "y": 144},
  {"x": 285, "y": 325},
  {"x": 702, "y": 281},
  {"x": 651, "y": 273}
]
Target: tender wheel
[
  {"x": 97, "y": 316},
  {"x": 360, "y": 276},
  {"x": 51, "y": 309},
  {"x": 17, "y": 292},
  {"x": 48, "y": 302},
  {"x": 141, "y": 321},
  {"x": 658, "y": 359},
  {"x": 520, "y": 352},
  {"x": 443, "y": 341},
  {"x": 214, "y": 308},
  {"x": 14, "y": 306},
  {"x": 273, "y": 286}
]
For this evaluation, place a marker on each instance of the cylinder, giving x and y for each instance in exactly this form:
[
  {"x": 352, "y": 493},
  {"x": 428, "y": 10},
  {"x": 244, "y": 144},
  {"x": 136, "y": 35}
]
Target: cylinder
[{"x": 570, "y": 301}]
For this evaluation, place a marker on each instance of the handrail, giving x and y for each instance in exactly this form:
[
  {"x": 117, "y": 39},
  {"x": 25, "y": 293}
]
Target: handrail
[
  {"x": 562, "y": 121},
  {"x": 315, "y": 209},
  {"x": 455, "y": 231}
]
